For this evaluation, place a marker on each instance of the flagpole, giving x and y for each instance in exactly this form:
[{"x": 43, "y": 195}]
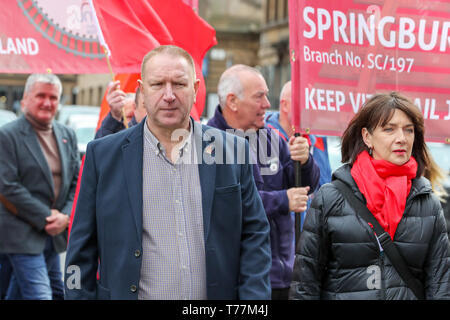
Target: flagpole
[
  {"x": 106, "y": 51},
  {"x": 295, "y": 77}
]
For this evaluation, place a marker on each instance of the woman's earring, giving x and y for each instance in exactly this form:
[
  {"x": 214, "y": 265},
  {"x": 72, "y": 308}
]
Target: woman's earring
[{"x": 370, "y": 151}]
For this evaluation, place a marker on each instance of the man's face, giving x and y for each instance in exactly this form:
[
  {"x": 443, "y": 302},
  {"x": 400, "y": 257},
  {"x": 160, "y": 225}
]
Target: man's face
[
  {"x": 41, "y": 102},
  {"x": 168, "y": 91},
  {"x": 252, "y": 107}
]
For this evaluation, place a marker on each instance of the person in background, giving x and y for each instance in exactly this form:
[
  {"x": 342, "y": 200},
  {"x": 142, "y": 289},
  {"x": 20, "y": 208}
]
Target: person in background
[
  {"x": 139, "y": 113},
  {"x": 157, "y": 220},
  {"x": 129, "y": 107},
  {"x": 281, "y": 122},
  {"x": 132, "y": 105},
  {"x": 243, "y": 101},
  {"x": 339, "y": 256},
  {"x": 38, "y": 175}
]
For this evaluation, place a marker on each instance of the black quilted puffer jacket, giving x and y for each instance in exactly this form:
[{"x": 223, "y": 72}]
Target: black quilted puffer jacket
[{"x": 338, "y": 256}]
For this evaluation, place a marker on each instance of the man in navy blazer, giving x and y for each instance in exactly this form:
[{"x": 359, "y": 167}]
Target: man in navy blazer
[{"x": 114, "y": 232}]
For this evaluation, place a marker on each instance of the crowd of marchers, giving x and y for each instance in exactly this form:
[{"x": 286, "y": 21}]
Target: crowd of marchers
[{"x": 151, "y": 221}]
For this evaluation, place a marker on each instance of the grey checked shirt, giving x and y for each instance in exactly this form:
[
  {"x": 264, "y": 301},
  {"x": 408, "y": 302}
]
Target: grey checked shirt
[{"x": 173, "y": 258}]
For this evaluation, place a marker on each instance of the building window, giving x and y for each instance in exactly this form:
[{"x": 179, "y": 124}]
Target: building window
[
  {"x": 91, "y": 96},
  {"x": 280, "y": 10},
  {"x": 271, "y": 10},
  {"x": 82, "y": 94},
  {"x": 100, "y": 95}
]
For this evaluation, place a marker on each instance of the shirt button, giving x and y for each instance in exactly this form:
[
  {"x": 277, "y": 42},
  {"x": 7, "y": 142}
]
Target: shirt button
[
  {"x": 133, "y": 288},
  {"x": 137, "y": 253}
]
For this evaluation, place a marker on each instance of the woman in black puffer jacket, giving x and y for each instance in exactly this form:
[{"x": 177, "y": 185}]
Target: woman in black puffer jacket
[{"x": 338, "y": 255}]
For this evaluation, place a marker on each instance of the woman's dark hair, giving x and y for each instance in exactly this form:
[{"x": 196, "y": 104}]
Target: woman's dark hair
[{"x": 378, "y": 111}]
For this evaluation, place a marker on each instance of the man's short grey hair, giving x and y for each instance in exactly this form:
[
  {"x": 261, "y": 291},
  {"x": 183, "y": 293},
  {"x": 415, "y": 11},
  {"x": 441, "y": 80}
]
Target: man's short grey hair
[
  {"x": 230, "y": 82},
  {"x": 49, "y": 78}
]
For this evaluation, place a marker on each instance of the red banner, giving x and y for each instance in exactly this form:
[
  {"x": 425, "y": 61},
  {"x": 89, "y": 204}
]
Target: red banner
[
  {"x": 47, "y": 35},
  {"x": 344, "y": 51}
]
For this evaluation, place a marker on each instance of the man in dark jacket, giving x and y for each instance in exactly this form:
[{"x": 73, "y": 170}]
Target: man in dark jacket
[{"x": 243, "y": 100}]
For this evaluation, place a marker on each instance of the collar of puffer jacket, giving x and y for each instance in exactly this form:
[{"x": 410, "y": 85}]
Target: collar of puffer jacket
[{"x": 419, "y": 186}]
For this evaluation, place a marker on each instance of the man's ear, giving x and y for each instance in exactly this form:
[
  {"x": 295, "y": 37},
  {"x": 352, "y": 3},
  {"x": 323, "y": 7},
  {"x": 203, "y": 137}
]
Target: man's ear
[
  {"x": 232, "y": 102},
  {"x": 283, "y": 106},
  {"x": 196, "y": 87},
  {"x": 23, "y": 102},
  {"x": 141, "y": 88}
]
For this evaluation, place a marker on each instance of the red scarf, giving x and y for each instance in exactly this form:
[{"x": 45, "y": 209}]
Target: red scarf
[{"x": 385, "y": 186}]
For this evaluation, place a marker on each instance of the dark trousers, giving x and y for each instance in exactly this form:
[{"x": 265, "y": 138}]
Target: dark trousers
[
  {"x": 280, "y": 294},
  {"x": 5, "y": 275}
]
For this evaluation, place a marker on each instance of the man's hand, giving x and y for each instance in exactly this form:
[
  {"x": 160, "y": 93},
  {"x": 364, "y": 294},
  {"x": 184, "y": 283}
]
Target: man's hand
[
  {"x": 56, "y": 223},
  {"x": 299, "y": 148},
  {"x": 116, "y": 99},
  {"x": 298, "y": 199}
]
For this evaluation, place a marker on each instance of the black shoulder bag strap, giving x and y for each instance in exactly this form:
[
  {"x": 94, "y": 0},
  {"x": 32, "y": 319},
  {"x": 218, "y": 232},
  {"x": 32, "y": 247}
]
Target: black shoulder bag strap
[{"x": 385, "y": 240}]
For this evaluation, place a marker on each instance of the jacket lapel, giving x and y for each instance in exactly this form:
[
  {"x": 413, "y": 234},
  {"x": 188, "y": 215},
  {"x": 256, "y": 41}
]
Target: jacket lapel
[
  {"x": 207, "y": 173},
  {"x": 62, "y": 142},
  {"x": 31, "y": 142},
  {"x": 132, "y": 154}
]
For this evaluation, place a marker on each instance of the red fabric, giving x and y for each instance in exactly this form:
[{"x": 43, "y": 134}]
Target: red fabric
[
  {"x": 307, "y": 138},
  {"x": 128, "y": 37},
  {"x": 32, "y": 41},
  {"x": 132, "y": 28},
  {"x": 192, "y": 3},
  {"x": 128, "y": 83},
  {"x": 191, "y": 33},
  {"x": 385, "y": 187},
  {"x": 77, "y": 191},
  {"x": 319, "y": 144}
]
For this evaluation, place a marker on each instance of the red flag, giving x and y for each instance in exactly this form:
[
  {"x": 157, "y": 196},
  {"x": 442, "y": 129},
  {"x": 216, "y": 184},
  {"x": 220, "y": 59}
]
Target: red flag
[
  {"x": 191, "y": 33},
  {"x": 130, "y": 28},
  {"x": 75, "y": 199},
  {"x": 129, "y": 38},
  {"x": 128, "y": 83}
]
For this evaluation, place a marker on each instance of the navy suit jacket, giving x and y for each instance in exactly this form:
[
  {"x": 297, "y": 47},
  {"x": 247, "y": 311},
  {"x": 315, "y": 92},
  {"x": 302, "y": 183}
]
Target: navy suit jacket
[{"x": 107, "y": 226}]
